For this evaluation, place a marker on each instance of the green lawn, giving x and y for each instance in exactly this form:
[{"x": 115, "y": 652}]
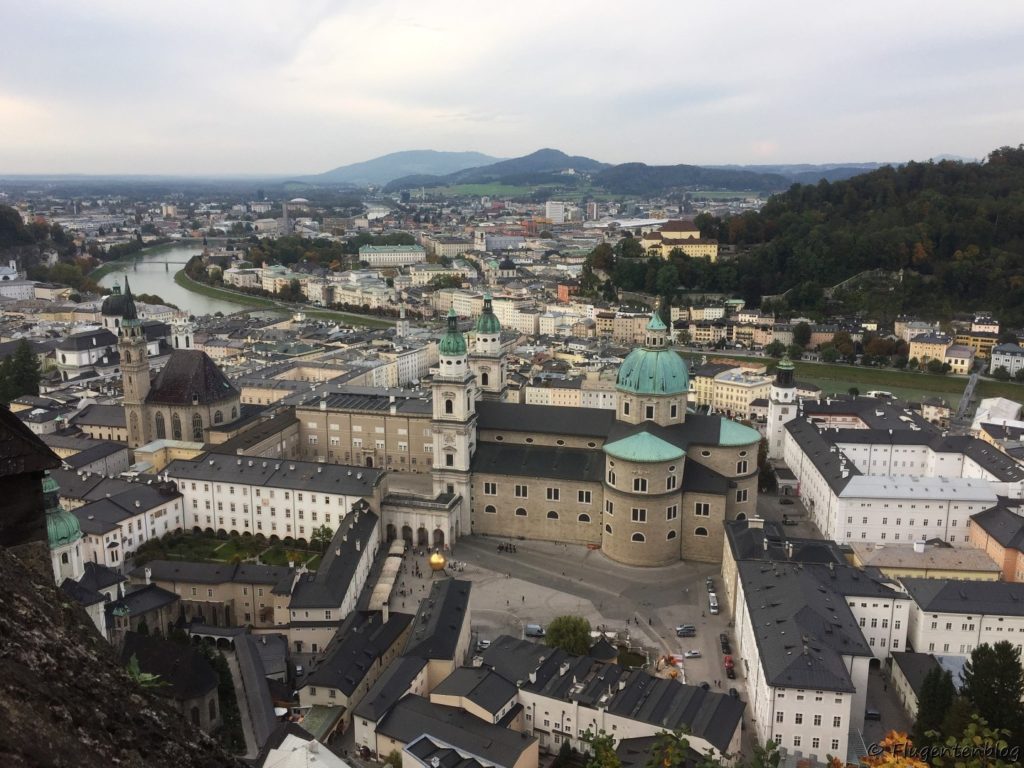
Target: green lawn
[
  {"x": 910, "y": 385},
  {"x": 202, "y": 547},
  {"x": 242, "y": 546},
  {"x": 278, "y": 554}
]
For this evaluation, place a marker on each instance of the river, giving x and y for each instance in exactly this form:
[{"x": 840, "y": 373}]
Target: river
[{"x": 149, "y": 274}]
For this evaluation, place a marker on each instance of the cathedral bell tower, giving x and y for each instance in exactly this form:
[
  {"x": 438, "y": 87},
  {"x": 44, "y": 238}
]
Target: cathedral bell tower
[
  {"x": 488, "y": 361},
  {"x": 782, "y": 406},
  {"x": 454, "y": 420},
  {"x": 131, "y": 344}
]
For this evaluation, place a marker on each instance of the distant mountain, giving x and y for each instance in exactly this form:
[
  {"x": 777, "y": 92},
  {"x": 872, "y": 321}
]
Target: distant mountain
[
  {"x": 542, "y": 166},
  {"x": 808, "y": 173},
  {"x": 381, "y": 170}
]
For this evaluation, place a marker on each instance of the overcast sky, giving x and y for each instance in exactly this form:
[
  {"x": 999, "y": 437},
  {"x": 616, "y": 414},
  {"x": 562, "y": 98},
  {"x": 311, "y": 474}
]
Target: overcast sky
[{"x": 220, "y": 86}]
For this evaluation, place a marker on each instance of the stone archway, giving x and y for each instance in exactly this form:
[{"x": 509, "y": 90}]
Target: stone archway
[
  {"x": 407, "y": 534},
  {"x": 422, "y": 537},
  {"x": 392, "y": 535},
  {"x": 438, "y": 538},
  {"x": 369, "y": 461}
]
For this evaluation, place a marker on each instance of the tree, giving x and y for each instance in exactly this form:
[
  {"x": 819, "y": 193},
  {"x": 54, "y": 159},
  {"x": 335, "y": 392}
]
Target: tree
[
  {"x": 802, "y": 334},
  {"x": 829, "y": 353},
  {"x": 1019, "y": 376},
  {"x": 321, "y": 537},
  {"x": 144, "y": 679},
  {"x": 978, "y": 746},
  {"x": 994, "y": 682},
  {"x": 601, "y": 752},
  {"x": 959, "y": 716},
  {"x": 394, "y": 759},
  {"x": 935, "y": 699},
  {"x": 564, "y": 756},
  {"x": 1001, "y": 373},
  {"x": 669, "y": 750},
  {"x": 795, "y": 351},
  {"x": 19, "y": 373},
  {"x": 854, "y": 391},
  {"x": 895, "y": 750},
  {"x": 1007, "y": 337},
  {"x": 446, "y": 281},
  {"x": 935, "y": 366},
  {"x": 570, "y": 633},
  {"x": 775, "y": 349}
]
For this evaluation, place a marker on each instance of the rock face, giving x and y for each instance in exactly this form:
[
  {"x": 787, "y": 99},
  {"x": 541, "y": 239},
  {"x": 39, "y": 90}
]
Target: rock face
[{"x": 64, "y": 700}]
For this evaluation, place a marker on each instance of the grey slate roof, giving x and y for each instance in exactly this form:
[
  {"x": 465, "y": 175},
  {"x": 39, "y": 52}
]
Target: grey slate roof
[
  {"x": 415, "y": 716},
  {"x": 803, "y": 628},
  {"x": 101, "y": 450},
  {"x": 586, "y": 465},
  {"x": 545, "y": 419},
  {"x": 277, "y": 473},
  {"x": 484, "y": 687},
  {"x": 438, "y": 755},
  {"x": 142, "y": 600},
  {"x": 698, "y": 478},
  {"x": 190, "y": 373},
  {"x": 326, "y": 588},
  {"x": 393, "y": 683},
  {"x": 748, "y": 543},
  {"x": 630, "y": 693},
  {"x": 88, "y": 340},
  {"x": 186, "y": 671},
  {"x": 101, "y": 416},
  {"x": 214, "y": 573},
  {"x": 360, "y": 641},
  {"x": 990, "y": 598},
  {"x": 439, "y": 620},
  {"x": 915, "y": 667},
  {"x": 1003, "y": 525}
]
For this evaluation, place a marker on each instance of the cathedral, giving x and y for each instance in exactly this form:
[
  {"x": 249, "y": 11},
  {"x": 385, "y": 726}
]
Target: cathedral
[{"x": 188, "y": 395}]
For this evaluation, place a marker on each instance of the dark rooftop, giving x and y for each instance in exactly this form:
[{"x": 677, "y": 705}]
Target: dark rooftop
[
  {"x": 439, "y": 620},
  {"x": 190, "y": 374}
]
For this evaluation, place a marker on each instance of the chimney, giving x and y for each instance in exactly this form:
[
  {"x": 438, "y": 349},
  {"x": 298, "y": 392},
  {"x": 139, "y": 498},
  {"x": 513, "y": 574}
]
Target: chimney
[
  {"x": 149, "y": 576},
  {"x": 337, "y": 551},
  {"x": 384, "y": 613},
  {"x": 789, "y": 550},
  {"x": 919, "y": 547},
  {"x": 323, "y": 405}
]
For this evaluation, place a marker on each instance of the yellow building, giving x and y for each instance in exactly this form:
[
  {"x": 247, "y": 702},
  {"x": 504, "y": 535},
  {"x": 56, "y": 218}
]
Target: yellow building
[
  {"x": 959, "y": 358},
  {"x": 929, "y": 346},
  {"x": 682, "y": 235},
  {"x": 980, "y": 341}
]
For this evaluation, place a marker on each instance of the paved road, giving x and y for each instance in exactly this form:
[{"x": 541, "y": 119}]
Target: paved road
[{"x": 251, "y": 750}]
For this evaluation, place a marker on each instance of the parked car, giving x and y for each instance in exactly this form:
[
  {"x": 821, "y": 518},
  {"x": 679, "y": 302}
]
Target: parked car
[
  {"x": 872, "y": 714},
  {"x": 686, "y": 630},
  {"x": 710, "y": 584},
  {"x": 726, "y": 648},
  {"x": 785, "y": 501},
  {"x": 734, "y": 693},
  {"x": 706, "y": 685},
  {"x": 691, "y": 655},
  {"x": 788, "y": 521},
  {"x": 534, "y": 630},
  {"x": 730, "y": 673},
  {"x": 483, "y": 645}
]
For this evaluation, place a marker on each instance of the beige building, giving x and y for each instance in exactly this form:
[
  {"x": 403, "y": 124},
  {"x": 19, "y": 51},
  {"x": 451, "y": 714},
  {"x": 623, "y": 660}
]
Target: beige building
[
  {"x": 920, "y": 560},
  {"x": 929, "y": 346}
]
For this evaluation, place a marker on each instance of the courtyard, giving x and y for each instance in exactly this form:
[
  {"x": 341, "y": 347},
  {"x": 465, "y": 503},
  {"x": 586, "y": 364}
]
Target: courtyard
[{"x": 227, "y": 548}]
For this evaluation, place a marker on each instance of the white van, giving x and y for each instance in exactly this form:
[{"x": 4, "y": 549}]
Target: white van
[{"x": 713, "y": 603}]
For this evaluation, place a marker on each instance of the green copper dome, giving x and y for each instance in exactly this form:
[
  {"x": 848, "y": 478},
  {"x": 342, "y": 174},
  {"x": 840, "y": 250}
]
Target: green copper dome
[
  {"x": 655, "y": 368},
  {"x": 62, "y": 527},
  {"x": 488, "y": 322},
  {"x": 644, "y": 447},
  {"x": 453, "y": 343}
]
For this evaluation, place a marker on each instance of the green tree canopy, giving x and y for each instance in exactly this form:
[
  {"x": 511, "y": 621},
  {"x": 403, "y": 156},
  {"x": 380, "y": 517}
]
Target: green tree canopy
[
  {"x": 936, "y": 697},
  {"x": 994, "y": 682},
  {"x": 570, "y": 633},
  {"x": 802, "y": 334},
  {"x": 601, "y": 750}
]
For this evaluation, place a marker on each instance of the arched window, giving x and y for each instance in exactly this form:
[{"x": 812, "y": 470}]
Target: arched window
[
  {"x": 161, "y": 427},
  {"x": 584, "y": 518},
  {"x": 489, "y": 509},
  {"x": 640, "y": 484},
  {"x": 520, "y": 512},
  {"x": 607, "y": 528},
  {"x": 670, "y": 482},
  {"x": 449, "y": 406},
  {"x": 65, "y": 559},
  {"x": 197, "y": 427},
  {"x": 625, "y": 408},
  {"x": 638, "y": 537},
  {"x": 611, "y": 477},
  {"x": 213, "y": 710},
  {"x": 135, "y": 425},
  {"x": 700, "y": 532},
  {"x": 234, "y": 412},
  {"x": 175, "y": 427},
  {"x": 127, "y": 356},
  {"x": 670, "y": 535},
  {"x": 483, "y": 379},
  {"x": 218, "y": 417},
  {"x": 741, "y": 516},
  {"x": 195, "y": 715},
  {"x": 552, "y": 515}
]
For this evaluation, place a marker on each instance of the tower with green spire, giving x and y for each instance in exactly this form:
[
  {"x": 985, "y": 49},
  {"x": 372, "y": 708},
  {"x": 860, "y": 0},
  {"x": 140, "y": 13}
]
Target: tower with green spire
[
  {"x": 782, "y": 406},
  {"x": 131, "y": 344},
  {"x": 454, "y": 421},
  {"x": 653, "y": 382},
  {"x": 487, "y": 360},
  {"x": 63, "y": 533}
]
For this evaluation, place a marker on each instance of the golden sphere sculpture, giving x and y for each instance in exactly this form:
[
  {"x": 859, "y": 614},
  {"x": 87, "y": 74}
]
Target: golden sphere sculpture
[{"x": 437, "y": 562}]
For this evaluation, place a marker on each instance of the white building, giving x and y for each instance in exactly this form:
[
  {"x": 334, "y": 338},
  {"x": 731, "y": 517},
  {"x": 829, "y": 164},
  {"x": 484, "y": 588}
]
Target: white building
[
  {"x": 392, "y": 255},
  {"x": 554, "y": 211},
  {"x": 953, "y": 617},
  {"x": 275, "y": 498},
  {"x": 1008, "y": 356}
]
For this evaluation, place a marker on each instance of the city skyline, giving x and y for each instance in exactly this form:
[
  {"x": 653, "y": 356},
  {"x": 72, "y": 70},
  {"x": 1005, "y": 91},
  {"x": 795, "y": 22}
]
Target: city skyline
[{"x": 261, "y": 89}]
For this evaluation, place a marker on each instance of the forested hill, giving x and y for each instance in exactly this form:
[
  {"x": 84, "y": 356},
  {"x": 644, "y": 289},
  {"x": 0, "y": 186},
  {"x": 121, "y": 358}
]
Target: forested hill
[{"x": 955, "y": 229}]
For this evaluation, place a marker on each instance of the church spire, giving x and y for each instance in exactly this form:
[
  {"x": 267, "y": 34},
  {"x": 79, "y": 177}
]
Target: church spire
[{"x": 130, "y": 312}]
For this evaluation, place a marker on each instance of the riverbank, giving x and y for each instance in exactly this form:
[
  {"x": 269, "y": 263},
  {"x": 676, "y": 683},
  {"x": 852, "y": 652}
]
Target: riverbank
[
  {"x": 119, "y": 264},
  {"x": 258, "y": 302}
]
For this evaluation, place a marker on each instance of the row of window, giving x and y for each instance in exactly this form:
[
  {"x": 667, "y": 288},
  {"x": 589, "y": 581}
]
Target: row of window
[
  {"x": 490, "y": 509},
  {"x": 798, "y": 741},
  {"x": 798, "y": 719},
  {"x": 899, "y": 521}
]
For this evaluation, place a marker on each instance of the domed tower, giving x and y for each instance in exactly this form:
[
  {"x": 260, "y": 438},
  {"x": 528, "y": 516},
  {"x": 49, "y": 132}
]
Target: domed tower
[
  {"x": 454, "y": 419},
  {"x": 134, "y": 371},
  {"x": 487, "y": 360},
  {"x": 181, "y": 331},
  {"x": 113, "y": 308},
  {"x": 64, "y": 535},
  {"x": 653, "y": 381},
  {"x": 782, "y": 406}
]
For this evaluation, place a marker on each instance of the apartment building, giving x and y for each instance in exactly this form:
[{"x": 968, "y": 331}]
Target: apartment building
[{"x": 953, "y": 617}]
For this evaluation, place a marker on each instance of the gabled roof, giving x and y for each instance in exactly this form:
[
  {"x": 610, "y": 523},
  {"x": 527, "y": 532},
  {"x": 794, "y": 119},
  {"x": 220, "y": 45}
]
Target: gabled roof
[
  {"x": 544, "y": 419},
  {"x": 187, "y": 673},
  {"x": 519, "y": 460},
  {"x": 1003, "y": 525},
  {"x": 439, "y": 620},
  {"x": 484, "y": 687},
  {"x": 991, "y": 598},
  {"x": 360, "y": 641},
  {"x": 190, "y": 374}
]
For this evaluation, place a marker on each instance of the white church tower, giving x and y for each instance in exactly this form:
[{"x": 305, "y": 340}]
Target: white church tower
[
  {"x": 181, "y": 332},
  {"x": 782, "y": 406},
  {"x": 454, "y": 420}
]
